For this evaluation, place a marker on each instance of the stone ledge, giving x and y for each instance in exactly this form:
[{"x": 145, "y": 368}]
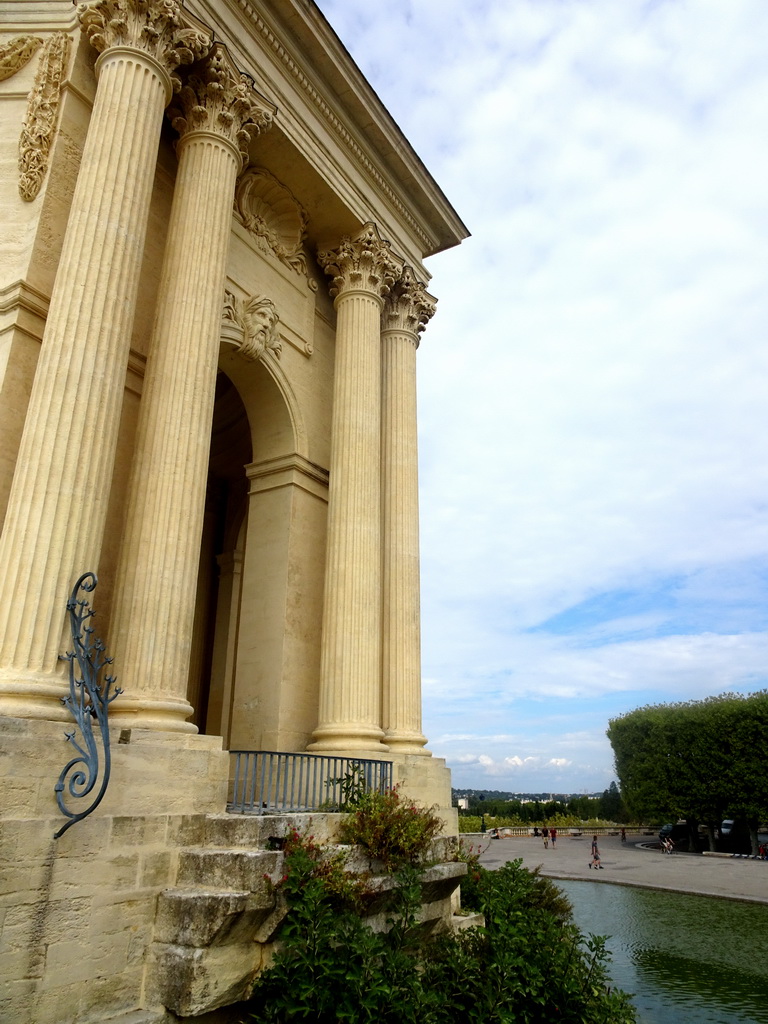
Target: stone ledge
[
  {"x": 227, "y": 870},
  {"x": 204, "y": 918},
  {"x": 460, "y": 922}
]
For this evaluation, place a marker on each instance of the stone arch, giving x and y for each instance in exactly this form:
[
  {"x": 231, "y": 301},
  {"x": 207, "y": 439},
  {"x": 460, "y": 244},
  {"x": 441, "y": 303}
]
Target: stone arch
[
  {"x": 254, "y": 674},
  {"x": 277, "y": 425}
]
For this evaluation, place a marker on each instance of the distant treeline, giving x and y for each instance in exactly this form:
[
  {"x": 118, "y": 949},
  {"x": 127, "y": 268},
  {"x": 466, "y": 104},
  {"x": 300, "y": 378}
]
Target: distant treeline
[{"x": 539, "y": 807}]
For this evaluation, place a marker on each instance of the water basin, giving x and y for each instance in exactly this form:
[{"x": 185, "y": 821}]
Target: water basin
[{"x": 683, "y": 957}]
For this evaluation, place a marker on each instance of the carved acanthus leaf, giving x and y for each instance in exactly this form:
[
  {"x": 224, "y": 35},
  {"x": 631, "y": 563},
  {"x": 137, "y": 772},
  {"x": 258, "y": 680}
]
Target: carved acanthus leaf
[
  {"x": 255, "y": 320},
  {"x": 216, "y": 97},
  {"x": 39, "y": 126},
  {"x": 162, "y": 28},
  {"x": 274, "y": 217},
  {"x": 362, "y": 261},
  {"x": 16, "y": 54},
  {"x": 409, "y": 306}
]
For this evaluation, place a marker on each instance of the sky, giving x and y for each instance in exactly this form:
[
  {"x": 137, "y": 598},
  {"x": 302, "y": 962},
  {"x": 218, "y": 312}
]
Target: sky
[{"x": 593, "y": 386}]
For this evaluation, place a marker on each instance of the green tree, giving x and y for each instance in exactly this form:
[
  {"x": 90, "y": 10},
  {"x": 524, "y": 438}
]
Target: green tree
[
  {"x": 611, "y": 805},
  {"x": 697, "y": 760}
]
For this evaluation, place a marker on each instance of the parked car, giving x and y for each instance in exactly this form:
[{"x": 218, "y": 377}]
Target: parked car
[
  {"x": 677, "y": 832},
  {"x": 734, "y": 836}
]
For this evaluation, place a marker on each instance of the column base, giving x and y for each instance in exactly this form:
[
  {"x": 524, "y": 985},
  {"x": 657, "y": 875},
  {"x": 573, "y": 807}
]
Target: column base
[
  {"x": 155, "y": 715},
  {"x": 407, "y": 743},
  {"x": 349, "y": 737},
  {"x": 33, "y": 695}
]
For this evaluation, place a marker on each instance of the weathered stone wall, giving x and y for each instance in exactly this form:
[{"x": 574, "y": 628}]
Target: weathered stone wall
[
  {"x": 158, "y": 899},
  {"x": 77, "y": 913}
]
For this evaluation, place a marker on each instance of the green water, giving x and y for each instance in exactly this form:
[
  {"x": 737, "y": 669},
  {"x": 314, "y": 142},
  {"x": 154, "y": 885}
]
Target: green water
[{"x": 683, "y": 958}]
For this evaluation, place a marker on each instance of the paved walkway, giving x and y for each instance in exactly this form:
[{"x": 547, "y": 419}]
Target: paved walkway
[{"x": 630, "y": 864}]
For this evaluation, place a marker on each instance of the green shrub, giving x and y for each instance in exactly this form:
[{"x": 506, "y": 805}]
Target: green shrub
[
  {"x": 331, "y": 966},
  {"x": 307, "y": 863},
  {"x": 394, "y": 831},
  {"x": 528, "y": 965},
  {"x": 469, "y": 823}
]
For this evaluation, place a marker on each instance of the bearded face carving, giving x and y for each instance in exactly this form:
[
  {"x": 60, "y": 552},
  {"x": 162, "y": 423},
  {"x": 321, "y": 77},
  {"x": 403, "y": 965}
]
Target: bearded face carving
[
  {"x": 260, "y": 319},
  {"x": 257, "y": 318}
]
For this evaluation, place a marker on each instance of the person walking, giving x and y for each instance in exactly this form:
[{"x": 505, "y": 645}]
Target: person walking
[
  {"x": 553, "y": 836},
  {"x": 545, "y": 837},
  {"x": 595, "y": 862}
]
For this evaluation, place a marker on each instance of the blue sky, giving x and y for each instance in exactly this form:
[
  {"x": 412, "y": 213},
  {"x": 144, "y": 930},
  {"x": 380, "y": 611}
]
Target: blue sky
[{"x": 593, "y": 388}]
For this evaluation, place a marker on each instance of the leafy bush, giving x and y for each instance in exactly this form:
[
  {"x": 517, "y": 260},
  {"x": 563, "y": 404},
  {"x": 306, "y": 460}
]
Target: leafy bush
[
  {"x": 529, "y": 964},
  {"x": 324, "y": 869},
  {"x": 331, "y": 966},
  {"x": 391, "y": 830},
  {"x": 528, "y": 888}
]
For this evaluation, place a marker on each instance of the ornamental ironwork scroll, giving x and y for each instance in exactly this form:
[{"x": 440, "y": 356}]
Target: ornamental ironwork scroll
[{"x": 88, "y": 703}]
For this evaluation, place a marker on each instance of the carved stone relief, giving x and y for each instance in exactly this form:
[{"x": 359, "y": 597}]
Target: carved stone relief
[
  {"x": 39, "y": 127},
  {"x": 217, "y": 98},
  {"x": 162, "y": 28},
  {"x": 16, "y": 54},
  {"x": 251, "y": 326},
  {"x": 364, "y": 261},
  {"x": 274, "y": 217},
  {"x": 409, "y": 306}
]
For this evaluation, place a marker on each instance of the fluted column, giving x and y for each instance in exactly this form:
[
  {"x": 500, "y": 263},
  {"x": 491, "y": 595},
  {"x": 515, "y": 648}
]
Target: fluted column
[
  {"x": 56, "y": 512},
  {"x": 406, "y": 313},
  {"x": 363, "y": 270},
  {"x": 151, "y": 635}
]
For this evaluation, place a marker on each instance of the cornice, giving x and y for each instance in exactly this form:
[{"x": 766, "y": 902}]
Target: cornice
[
  {"x": 335, "y": 123},
  {"x": 286, "y": 471},
  {"x": 37, "y": 16},
  {"x": 23, "y": 295},
  {"x": 307, "y": 21}
]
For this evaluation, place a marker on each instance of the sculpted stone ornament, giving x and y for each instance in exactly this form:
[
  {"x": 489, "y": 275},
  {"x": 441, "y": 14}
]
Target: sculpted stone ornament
[
  {"x": 39, "y": 127},
  {"x": 409, "y": 307},
  {"x": 251, "y": 325},
  {"x": 162, "y": 28},
  {"x": 274, "y": 217},
  {"x": 16, "y": 54},
  {"x": 363, "y": 262},
  {"x": 216, "y": 97}
]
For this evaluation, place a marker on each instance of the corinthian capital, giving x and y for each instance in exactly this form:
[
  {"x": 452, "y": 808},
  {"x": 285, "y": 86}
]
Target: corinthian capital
[
  {"x": 217, "y": 97},
  {"x": 409, "y": 306},
  {"x": 364, "y": 261},
  {"x": 162, "y": 28}
]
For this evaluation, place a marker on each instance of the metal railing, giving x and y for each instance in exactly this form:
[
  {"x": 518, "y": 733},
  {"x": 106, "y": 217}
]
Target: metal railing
[{"x": 273, "y": 782}]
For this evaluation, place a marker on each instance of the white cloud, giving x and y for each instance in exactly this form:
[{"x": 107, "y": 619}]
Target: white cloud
[{"x": 593, "y": 386}]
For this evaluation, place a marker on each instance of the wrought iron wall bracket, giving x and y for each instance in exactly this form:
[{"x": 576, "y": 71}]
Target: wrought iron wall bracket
[{"x": 88, "y": 702}]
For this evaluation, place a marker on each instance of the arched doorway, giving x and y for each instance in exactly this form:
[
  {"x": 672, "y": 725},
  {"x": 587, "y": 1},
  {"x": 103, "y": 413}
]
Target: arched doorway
[
  {"x": 218, "y": 584},
  {"x": 254, "y": 673}
]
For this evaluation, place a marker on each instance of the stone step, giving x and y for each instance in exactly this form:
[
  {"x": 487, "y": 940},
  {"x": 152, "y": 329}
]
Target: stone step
[
  {"x": 158, "y": 1015},
  {"x": 459, "y": 922},
  {"x": 238, "y": 870},
  {"x": 256, "y": 830},
  {"x": 199, "y": 918}
]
